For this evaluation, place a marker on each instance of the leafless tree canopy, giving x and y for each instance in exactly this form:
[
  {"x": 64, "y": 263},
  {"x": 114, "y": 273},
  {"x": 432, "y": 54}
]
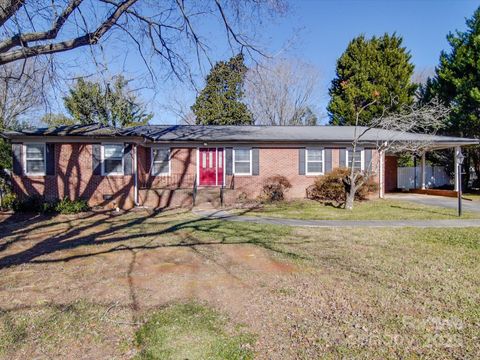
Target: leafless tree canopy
[
  {"x": 21, "y": 90},
  {"x": 30, "y": 28},
  {"x": 278, "y": 92},
  {"x": 418, "y": 118}
]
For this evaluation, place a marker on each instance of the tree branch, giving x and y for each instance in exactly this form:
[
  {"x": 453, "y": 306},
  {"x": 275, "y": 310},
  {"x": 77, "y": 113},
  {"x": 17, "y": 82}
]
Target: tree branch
[
  {"x": 23, "y": 40},
  {"x": 8, "y": 8},
  {"x": 87, "y": 39}
]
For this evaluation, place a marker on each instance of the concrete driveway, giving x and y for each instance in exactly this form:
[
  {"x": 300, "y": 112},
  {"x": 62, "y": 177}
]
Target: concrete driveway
[{"x": 441, "y": 201}]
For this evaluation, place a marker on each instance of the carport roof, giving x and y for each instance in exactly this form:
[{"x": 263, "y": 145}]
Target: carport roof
[{"x": 253, "y": 133}]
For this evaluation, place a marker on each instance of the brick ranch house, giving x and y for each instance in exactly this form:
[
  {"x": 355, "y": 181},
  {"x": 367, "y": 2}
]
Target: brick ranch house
[{"x": 160, "y": 165}]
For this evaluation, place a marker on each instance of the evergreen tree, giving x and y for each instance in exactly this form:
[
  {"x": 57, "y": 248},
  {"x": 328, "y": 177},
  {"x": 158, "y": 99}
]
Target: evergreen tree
[
  {"x": 52, "y": 119},
  {"x": 371, "y": 70},
  {"x": 457, "y": 83},
  {"x": 90, "y": 102},
  {"x": 220, "y": 102}
]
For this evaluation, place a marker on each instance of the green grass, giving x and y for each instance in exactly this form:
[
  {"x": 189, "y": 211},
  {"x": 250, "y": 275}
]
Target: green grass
[
  {"x": 474, "y": 197},
  {"x": 51, "y": 327},
  {"x": 191, "y": 331},
  {"x": 353, "y": 293},
  {"x": 366, "y": 210}
]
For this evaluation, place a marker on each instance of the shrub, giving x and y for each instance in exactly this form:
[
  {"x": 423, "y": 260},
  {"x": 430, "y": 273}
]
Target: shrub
[
  {"x": 275, "y": 187},
  {"x": 329, "y": 187},
  {"x": 67, "y": 206},
  {"x": 34, "y": 203},
  {"x": 8, "y": 201},
  {"x": 38, "y": 204}
]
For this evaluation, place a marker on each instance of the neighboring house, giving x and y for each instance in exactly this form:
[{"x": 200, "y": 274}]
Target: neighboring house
[{"x": 159, "y": 165}]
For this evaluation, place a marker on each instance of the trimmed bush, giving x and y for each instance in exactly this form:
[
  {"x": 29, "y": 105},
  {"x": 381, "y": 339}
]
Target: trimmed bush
[
  {"x": 38, "y": 204},
  {"x": 8, "y": 201},
  {"x": 330, "y": 187},
  {"x": 34, "y": 203},
  {"x": 67, "y": 206},
  {"x": 275, "y": 187}
]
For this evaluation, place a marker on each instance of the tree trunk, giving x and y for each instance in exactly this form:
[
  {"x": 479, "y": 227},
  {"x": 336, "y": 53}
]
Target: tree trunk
[{"x": 349, "y": 201}]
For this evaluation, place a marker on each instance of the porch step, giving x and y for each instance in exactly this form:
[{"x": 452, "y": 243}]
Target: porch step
[{"x": 208, "y": 196}]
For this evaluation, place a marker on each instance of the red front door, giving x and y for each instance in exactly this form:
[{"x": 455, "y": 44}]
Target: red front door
[{"x": 211, "y": 166}]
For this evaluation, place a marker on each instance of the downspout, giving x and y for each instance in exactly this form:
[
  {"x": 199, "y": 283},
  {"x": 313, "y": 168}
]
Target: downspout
[{"x": 135, "y": 175}]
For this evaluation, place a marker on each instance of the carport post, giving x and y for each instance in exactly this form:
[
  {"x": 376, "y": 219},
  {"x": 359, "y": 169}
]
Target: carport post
[
  {"x": 423, "y": 171},
  {"x": 381, "y": 175},
  {"x": 458, "y": 152},
  {"x": 458, "y": 169}
]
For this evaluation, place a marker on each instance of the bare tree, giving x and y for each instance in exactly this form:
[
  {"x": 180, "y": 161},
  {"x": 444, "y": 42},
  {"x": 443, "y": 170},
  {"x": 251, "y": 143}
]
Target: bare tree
[
  {"x": 281, "y": 92},
  {"x": 167, "y": 30},
  {"x": 393, "y": 133},
  {"x": 180, "y": 107},
  {"x": 21, "y": 91}
]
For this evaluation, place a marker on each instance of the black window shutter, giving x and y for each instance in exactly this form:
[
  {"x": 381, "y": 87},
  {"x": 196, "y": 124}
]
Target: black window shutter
[
  {"x": 255, "y": 162},
  {"x": 127, "y": 160},
  {"x": 148, "y": 159},
  {"x": 228, "y": 161},
  {"x": 50, "y": 150},
  {"x": 17, "y": 150},
  {"x": 342, "y": 161},
  {"x": 328, "y": 160},
  {"x": 367, "y": 158},
  {"x": 301, "y": 161},
  {"x": 97, "y": 159}
]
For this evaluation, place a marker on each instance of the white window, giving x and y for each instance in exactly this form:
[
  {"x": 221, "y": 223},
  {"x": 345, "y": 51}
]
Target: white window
[
  {"x": 242, "y": 161},
  {"x": 34, "y": 159},
  {"x": 160, "y": 161},
  {"x": 357, "y": 159},
  {"x": 112, "y": 156},
  {"x": 314, "y": 161}
]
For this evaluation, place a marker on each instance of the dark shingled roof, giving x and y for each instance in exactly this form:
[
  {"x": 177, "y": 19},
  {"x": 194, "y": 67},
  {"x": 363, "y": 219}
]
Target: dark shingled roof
[
  {"x": 71, "y": 130},
  {"x": 199, "y": 133}
]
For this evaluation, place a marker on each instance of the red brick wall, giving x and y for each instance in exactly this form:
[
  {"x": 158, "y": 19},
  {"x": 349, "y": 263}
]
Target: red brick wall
[
  {"x": 165, "y": 198},
  {"x": 74, "y": 179},
  {"x": 391, "y": 165},
  {"x": 182, "y": 169},
  {"x": 282, "y": 161}
]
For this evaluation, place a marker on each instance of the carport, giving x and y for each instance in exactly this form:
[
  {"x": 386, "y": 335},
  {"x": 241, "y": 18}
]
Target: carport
[{"x": 389, "y": 179}]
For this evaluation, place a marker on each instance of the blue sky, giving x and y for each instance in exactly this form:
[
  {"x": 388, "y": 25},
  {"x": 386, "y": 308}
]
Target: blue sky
[
  {"x": 326, "y": 27},
  {"x": 316, "y": 31}
]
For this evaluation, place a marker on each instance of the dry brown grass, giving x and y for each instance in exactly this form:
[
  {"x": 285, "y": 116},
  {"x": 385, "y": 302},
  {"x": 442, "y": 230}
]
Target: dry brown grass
[{"x": 88, "y": 284}]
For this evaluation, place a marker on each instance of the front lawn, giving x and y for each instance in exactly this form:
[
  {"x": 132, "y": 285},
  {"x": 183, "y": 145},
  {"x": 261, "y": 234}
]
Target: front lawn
[
  {"x": 472, "y": 196},
  {"x": 378, "y": 209},
  {"x": 174, "y": 286}
]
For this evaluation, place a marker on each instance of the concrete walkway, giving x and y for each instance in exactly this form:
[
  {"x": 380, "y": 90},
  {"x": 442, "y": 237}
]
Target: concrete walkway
[
  {"x": 441, "y": 201},
  {"x": 451, "y": 223}
]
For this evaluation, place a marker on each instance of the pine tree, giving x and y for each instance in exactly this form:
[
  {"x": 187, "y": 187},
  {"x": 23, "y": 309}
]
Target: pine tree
[
  {"x": 371, "y": 70},
  {"x": 220, "y": 102},
  {"x": 457, "y": 83},
  {"x": 90, "y": 102}
]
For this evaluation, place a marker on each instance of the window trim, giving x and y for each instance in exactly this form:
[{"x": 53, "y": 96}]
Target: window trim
[
  {"x": 152, "y": 161},
  {"x": 362, "y": 159},
  {"x": 104, "y": 173},
  {"x": 306, "y": 163},
  {"x": 24, "y": 160},
  {"x": 234, "y": 171}
]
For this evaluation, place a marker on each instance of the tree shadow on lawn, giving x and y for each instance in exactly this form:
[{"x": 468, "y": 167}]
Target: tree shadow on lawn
[
  {"x": 13, "y": 226},
  {"x": 209, "y": 227}
]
